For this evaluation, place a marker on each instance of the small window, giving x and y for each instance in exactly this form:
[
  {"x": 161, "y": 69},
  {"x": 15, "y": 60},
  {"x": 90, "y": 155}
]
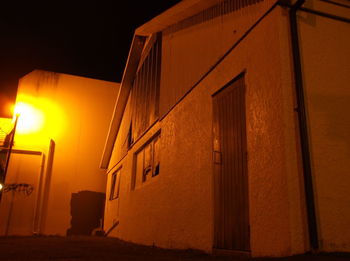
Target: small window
[
  {"x": 156, "y": 160},
  {"x": 115, "y": 185},
  {"x": 129, "y": 138},
  {"x": 147, "y": 162}
]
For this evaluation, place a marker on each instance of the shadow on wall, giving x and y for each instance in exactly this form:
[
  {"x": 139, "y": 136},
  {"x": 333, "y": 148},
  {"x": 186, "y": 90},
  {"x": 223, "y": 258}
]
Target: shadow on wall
[{"x": 87, "y": 208}]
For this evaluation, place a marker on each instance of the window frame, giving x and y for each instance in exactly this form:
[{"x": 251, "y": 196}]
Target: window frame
[
  {"x": 148, "y": 172},
  {"x": 115, "y": 184},
  {"x": 145, "y": 89}
]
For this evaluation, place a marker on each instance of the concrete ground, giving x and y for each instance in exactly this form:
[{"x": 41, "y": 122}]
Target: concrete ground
[{"x": 101, "y": 248}]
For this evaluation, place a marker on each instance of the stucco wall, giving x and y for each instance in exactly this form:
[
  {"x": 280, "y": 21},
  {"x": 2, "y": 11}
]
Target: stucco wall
[
  {"x": 159, "y": 212},
  {"x": 275, "y": 191},
  {"x": 210, "y": 40},
  {"x": 75, "y": 115},
  {"x": 175, "y": 209},
  {"x": 325, "y": 58},
  {"x": 17, "y": 209}
]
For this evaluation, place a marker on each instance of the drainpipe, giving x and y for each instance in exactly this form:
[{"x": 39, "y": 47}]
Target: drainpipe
[
  {"x": 45, "y": 189},
  {"x": 305, "y": 148},
  {"x": 39, "y": 198}
]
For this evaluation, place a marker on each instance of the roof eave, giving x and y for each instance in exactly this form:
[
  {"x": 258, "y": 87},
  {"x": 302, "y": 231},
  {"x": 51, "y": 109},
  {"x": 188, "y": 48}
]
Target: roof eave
[
  {"x": 177, "y": 13},
  {"x": 122, "y": 99}
]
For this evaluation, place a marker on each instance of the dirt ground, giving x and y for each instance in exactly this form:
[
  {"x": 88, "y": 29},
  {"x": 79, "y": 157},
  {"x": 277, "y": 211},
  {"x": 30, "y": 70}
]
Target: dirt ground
[{"x": 102, "y": 248}]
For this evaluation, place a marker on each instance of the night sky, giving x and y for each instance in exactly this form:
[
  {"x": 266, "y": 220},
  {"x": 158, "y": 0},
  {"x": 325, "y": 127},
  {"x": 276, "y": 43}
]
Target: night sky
[{"x": 80, "y": 38}]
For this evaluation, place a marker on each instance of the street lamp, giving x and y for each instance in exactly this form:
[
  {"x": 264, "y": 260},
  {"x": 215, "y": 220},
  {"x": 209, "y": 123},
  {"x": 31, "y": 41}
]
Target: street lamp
[{"x": 8, "y": 155}]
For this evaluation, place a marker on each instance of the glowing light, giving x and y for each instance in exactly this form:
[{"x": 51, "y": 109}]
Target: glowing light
[
  {"x": 30, "y": 118},
  {"x": 6, "y": 125},
  {"x": 1, "y": 186},
  {"x": 39, "y": 120},
  {"x": 9, "y": 109}
]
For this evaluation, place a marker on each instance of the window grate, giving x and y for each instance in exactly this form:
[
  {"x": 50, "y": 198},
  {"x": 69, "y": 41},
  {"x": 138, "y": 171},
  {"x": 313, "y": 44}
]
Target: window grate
[
  {"x": 145, "y": 90},
  {"x": 220, "y": 9}
]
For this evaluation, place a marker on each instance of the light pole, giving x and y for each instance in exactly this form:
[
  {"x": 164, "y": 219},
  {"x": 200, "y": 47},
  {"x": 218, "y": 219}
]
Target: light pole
[{"x": 8, "y": 155}]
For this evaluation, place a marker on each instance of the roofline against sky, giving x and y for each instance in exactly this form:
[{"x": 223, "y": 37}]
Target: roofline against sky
[
  {"x": 177, "y": 13},
  {"x": 66, "y": 74},
  {"x": 122, "y": 99}
]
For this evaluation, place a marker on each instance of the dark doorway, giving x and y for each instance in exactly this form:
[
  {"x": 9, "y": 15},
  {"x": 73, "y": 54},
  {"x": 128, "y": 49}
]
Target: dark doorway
[
  {"x": 87, "y": 209},
  {"x": 231, "y": 212}
]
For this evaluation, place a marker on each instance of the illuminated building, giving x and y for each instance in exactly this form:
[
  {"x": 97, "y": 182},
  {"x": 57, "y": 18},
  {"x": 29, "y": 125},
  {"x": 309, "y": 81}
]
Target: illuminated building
[
  {"x": 226, "y": 138},
  {"x": 53, "y": 173}
]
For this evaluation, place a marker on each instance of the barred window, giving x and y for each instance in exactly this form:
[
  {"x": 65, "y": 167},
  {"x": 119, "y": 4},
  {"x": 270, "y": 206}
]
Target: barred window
[{"x": 145, "y": 90}]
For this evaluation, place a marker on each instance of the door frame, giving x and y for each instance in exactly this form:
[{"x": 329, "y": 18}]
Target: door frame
[{"x": 217, "y": 251}]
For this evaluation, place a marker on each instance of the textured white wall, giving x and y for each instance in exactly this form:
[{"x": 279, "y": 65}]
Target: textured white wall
[
  {"x": 175, "y": 209},
  {"x": 326, "y": 69}
]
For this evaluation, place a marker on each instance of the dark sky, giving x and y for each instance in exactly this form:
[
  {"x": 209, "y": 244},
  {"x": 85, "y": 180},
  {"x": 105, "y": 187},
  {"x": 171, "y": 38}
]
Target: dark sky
[{"x": 90, "y": 38}]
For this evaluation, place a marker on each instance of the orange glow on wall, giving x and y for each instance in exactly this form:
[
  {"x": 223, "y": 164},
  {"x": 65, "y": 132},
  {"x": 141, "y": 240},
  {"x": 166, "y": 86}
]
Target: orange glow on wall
[
  {"x": 30, "y": 119},
  {"x": 39, "y": 119},
  {"x": 6, "y": 125}
]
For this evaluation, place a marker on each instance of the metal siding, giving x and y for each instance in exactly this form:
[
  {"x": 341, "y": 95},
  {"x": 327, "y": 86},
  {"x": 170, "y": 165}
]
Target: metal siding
[
  {"x": 158, "y": 65},
  {"x": 192, "y": 46},
  {"x": 152, "y": 82},
  {"x": 145, "y": 92},
  {"x": 231, "y": 221},
  {"x": 148, "y": 102}
]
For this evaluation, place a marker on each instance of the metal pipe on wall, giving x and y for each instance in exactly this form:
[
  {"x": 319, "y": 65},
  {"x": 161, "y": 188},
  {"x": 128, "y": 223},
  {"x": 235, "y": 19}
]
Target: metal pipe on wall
[
  {"x": 303, "y": 129},
  {"x": 39, "y": 197},
  {"x": 8, "y": 156},
  {"x": 46, "y": 180}
]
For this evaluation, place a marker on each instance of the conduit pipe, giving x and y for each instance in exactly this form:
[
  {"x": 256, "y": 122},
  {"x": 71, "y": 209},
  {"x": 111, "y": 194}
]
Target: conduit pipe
[
  {"x": 8, "y": 156},
  {"x": 303, "y": 129}
]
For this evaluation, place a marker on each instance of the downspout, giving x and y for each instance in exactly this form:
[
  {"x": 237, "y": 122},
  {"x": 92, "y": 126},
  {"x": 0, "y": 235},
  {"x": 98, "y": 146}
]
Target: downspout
[
  {"x": 11, "y": 145},
  {"x": 39, "y": 197},
  {"x": 305, "y": 147},
  {"x": 45, "y": 190}
]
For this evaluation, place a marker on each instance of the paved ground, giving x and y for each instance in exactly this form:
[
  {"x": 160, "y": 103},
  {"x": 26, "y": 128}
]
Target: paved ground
[{"x": 101, "y": 248}]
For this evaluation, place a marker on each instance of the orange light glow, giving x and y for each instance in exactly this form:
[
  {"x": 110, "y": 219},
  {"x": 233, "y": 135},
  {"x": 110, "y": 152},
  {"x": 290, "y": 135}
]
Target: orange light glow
[
  {"x": 39, "y": 119},
  {"x": 6, "y": 125},
  {"x": 30, "y": 119},
  {"x": 10, "y": 108}
]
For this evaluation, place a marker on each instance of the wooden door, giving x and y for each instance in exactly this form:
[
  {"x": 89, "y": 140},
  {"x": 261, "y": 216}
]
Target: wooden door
[{"x": 231, "y": 212}]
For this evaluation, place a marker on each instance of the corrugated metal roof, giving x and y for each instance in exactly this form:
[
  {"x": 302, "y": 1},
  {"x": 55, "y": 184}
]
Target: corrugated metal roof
[{"x": 178, "y": 12}]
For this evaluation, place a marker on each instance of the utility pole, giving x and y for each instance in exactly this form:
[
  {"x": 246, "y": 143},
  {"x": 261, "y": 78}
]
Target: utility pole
[{"x": 9, "y": 153}]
